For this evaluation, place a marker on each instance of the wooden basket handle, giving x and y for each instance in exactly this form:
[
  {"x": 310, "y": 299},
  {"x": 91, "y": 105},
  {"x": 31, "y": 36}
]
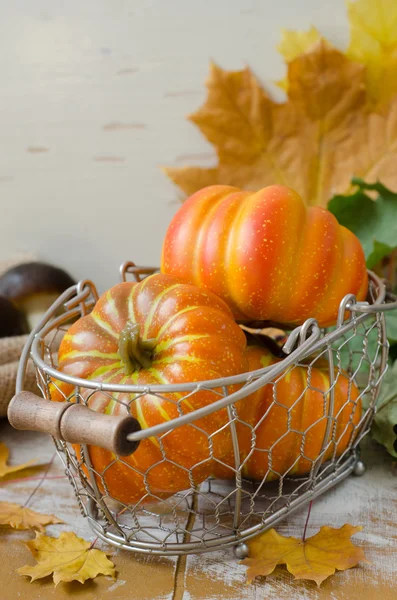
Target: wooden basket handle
[{"x": 75, "y": 423}]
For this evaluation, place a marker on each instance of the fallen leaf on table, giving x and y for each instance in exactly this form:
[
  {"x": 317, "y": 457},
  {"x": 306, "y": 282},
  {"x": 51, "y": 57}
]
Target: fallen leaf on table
[
  {"x": 373, "y": 221},
  {"x": 7, "y": 469},
  {"x": 373, "y": 42},
  {"x": 20, "y": 517},
  {"x": 316, "y": 558},
  {"x": 67, "y": 558}
]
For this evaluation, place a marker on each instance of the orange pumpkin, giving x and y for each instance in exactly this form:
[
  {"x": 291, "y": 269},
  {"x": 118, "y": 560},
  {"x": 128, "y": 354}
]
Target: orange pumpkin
[
  {"x": 289, "y": 420},
  {"x": 156, "y": 332},
  {"x": 266, "y": 254}
]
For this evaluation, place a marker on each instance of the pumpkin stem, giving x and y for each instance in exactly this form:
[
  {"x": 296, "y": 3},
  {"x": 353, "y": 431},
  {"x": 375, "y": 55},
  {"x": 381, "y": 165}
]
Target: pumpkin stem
[{"x": 135, "y": 353}]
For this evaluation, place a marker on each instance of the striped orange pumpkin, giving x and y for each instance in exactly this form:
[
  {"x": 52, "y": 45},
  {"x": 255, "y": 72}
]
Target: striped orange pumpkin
[
  {"x": 158, "y": 331},
  {"x": 266, "y": 254},
  {"x": 290, "y": 421}
]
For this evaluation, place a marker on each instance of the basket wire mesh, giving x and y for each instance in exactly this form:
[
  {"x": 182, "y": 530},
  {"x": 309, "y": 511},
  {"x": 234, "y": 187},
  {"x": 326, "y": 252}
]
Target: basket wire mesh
[{"x": 217, "y": 513}]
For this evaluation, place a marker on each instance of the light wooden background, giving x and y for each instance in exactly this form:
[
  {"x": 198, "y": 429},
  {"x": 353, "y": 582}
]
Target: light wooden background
[{"x": 93, "y": 99}]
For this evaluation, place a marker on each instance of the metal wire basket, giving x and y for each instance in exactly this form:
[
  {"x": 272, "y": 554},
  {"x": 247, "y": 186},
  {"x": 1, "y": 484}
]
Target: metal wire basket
[{"x": 219, "y": 513}]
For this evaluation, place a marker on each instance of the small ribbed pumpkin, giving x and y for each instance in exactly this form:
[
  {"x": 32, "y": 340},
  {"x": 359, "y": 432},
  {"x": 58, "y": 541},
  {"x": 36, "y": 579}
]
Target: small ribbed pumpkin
[
  {"x": 290, "y": 421},
  {"x": 266, "y": 254},
  {"x": 158, "y": 331}
]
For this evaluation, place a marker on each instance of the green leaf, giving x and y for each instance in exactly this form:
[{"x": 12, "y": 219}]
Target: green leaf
[
  {"x": 393, "y": 352},
  {"x": 379, "y": 251},
  {"x": 374, "y": 222},
  {"x": 384, "y": 427},
  {"x": 361, "y": 348},
  {"x": 358, "y": 348},
  {"x": 391, "y": 326}
]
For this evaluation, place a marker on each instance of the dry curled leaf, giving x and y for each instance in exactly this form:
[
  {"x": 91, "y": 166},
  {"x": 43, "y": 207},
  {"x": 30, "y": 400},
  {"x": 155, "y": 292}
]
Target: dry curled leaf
[
  {"x": 323, "y": 135},
  {"x": 316, "y": 558},
  {"x": 7, "y": 469},
  {"x": 67, "y": 558},
  {"x": 20, "y": 517}
]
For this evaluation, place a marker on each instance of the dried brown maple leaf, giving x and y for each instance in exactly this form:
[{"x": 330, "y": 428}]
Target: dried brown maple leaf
[
  {"x": 316, "y": 558},
  {"x": 67, "y": 558},
  {"x": 315, "y": 142},
  {"x": 20, "y": 517},
  {"x": 7, "y": 469}
]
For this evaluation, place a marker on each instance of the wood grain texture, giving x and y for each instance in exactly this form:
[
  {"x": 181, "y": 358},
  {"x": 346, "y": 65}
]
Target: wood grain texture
[
  {"x": 138, "y": 577},
  {"x": 73, "y": 423},
  {"x": 370, "y": 501},
  {"x": 94, "y": 100}
]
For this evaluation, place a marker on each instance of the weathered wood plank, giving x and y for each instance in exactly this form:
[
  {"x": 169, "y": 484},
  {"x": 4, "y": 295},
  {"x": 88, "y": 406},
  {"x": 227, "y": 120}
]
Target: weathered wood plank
[
  {"x": 370, "y": 501},
  {"x": 138, "y": 577}
]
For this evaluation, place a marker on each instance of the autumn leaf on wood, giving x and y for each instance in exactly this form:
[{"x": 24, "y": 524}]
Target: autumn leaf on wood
[
  {"x": 316, "y": 558},
  {"x": 7, "y": 469},
  {"x": 20, "y": 517},
  {"x": 67, "y": 558},
  {"x": 373, "y": 42}
]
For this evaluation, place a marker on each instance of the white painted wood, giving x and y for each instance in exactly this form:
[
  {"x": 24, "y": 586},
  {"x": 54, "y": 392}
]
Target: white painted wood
[{"x": 93, "y": 101}]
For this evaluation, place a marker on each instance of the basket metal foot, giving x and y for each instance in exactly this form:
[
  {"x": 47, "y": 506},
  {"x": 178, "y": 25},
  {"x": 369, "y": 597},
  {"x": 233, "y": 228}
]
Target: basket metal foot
[
  {"x": 359, "y": 468},
  {"x": 241, "y": 551}
]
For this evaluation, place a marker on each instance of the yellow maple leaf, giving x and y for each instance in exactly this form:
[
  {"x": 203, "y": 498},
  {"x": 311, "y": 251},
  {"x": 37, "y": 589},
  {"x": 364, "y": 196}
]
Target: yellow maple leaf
[
  {"x": 67, "y": 558},
  {"x": 373, "y": 42},
  {"x": 294, "y": 43},
  {"x": 316, "y": 558},
  {"x": 7, "y": 469},
  {"x": 20, "y": 517}
]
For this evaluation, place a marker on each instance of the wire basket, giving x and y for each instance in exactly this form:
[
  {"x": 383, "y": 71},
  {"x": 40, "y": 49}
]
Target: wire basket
[{"x": 220, "y": 513}]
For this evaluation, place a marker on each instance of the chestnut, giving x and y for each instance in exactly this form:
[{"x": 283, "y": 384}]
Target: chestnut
[
  {"x": 33, "y": 287},
  {"x": 12, "y": 320}
]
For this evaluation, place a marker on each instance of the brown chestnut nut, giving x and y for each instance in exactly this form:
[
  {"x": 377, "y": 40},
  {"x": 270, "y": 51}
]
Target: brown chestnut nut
[
  {"x": 33, "y": 287},
  {"x": 12, "y": 320}
]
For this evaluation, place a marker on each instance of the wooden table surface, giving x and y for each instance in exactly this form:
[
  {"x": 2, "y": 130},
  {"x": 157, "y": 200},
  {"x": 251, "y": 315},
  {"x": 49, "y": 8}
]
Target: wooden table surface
[{"x": 370, "y": 501}]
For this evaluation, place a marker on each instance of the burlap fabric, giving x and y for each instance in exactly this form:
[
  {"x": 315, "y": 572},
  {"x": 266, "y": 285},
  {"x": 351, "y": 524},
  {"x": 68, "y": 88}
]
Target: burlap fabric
[{"x": 10, "y": 352}]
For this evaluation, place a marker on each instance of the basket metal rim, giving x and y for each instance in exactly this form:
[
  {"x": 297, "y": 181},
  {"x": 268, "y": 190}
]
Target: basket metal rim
[
  {"x": 309, "y": 338},
  {"x": 37, "y": 336},
  {"x": 335, "y": 477}
]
